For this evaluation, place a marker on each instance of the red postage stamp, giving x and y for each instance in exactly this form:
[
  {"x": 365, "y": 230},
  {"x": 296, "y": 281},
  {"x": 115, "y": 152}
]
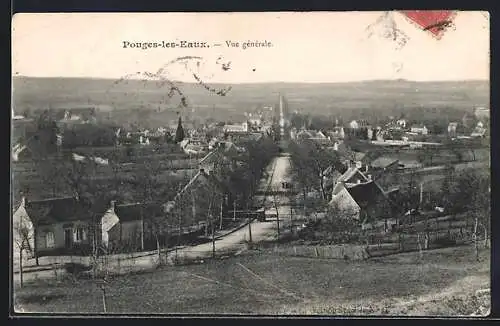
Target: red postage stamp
[{"x": 434, "y": 21}]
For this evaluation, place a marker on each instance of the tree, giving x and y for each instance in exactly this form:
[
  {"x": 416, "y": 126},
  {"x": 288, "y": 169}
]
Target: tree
[
  {"x": 473, "y": 190},
  {"x": 342, "y": 222},
  {"x": 23, "y": 234},
  {"x": 179, "y": 133},
  {"x": 309, "y": 162},
  {"x": 149, "y": 185}
]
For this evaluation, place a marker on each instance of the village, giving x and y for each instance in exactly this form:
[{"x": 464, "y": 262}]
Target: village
[{"x": 85, "y": 191}]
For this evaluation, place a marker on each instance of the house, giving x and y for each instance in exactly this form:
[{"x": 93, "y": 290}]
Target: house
[
  {"x": 359, "y": 124},
  {"x": 74, "y": 115},
  {"x": 360, "y": 198},
  {"x": 452, "y": 129},
  {"x": 402, "y": 123},
  {"x": 236, "y": 128},
  {"x": 225, "y": 155},
  {"x": 204, "y": 196},
  {"x": 383, "y": 163},
  {"x": 317, "y": 136},
  {"x": 65, "y": 225},
  {"x": 193, "y": 145},
  {"x": 419, "y": 129},
  {"x": 129, "y": 225},
  {"x": 479, "y": 131},
  {"x": 337, "y": 133}
]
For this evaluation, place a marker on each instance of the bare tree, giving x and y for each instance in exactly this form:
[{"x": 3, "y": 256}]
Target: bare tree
[
  {"x": 471, "y": 192},
  {"x": 309, "y": 162},
  {"x": 23, "y": 234}
]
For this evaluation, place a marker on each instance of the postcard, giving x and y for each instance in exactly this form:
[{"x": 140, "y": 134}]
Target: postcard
[{"x": 251, "y": 164}]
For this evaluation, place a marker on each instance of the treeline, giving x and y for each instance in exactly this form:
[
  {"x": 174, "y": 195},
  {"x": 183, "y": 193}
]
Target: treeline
[
  {"x": 436, "y": 119},
  {"x": 243, "y": 180}
]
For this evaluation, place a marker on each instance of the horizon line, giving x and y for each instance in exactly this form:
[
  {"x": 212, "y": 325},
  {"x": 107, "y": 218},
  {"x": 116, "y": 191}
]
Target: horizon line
[{"x": 263, "y": 82}]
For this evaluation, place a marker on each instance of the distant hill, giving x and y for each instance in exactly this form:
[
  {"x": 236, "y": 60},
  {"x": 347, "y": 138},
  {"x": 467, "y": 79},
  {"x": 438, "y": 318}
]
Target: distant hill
[{"x": 316, "y": 98}]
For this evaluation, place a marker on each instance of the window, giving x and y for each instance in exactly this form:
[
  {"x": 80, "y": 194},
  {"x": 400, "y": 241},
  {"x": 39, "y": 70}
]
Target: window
[
  {"x": 49, "y": 240},
  {"x": 80, "y": 234}
]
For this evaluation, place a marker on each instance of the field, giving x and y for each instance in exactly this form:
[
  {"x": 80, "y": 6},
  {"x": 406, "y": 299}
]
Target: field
[
  {"x": 351, "y": 100},
  {"x": 262, "y": 283}
]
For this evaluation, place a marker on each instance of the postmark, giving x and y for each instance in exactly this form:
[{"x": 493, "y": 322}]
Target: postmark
[
  {"x": 385, "y": 27},
  {"x": 197, "y": 69}
]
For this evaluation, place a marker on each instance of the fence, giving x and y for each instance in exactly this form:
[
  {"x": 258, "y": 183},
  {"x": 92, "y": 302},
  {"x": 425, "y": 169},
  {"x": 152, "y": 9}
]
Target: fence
[
  {"x": 423, "y": 235},
  {"x": 121, "y": 264},
  {"x": 350, "y": 252}
]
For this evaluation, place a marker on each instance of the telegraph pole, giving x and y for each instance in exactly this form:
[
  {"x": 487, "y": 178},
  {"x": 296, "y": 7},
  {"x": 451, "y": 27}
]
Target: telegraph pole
[
  {"x": 213, "y": 237},
  {"x": 249, "y": 225},
  {"x": 234, "y": 210},
  {"x": 220, "y": 226}
]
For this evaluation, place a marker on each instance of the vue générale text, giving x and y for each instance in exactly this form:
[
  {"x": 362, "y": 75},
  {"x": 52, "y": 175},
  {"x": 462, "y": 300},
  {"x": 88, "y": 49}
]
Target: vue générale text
[{"x": 193, "y": 44}]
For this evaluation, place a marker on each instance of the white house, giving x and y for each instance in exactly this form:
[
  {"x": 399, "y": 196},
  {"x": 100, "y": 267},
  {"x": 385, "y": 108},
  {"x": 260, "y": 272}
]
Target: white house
[
  {"x": 452, "y": 129},
  {"x": 354, "y": 124},
  {"x": 236, "y": 128},
  {"x": 356, "y": 196},
  {"x": 479, "y": 131},
  {"x": 402, "y": 123},
  {"x": 419, "y": 129},
  {"x": 128, "y": 224}
]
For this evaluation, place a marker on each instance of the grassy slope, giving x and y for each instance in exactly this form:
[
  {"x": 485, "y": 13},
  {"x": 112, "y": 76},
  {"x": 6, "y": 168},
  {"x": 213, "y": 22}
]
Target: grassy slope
[{"x": 295, "y": 286}]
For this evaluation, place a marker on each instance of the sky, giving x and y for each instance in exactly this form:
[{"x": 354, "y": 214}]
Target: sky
[{"x": 306, "y": 47}]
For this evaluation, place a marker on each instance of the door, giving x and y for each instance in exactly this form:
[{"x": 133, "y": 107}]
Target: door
[{"x": 68, "y": 237}]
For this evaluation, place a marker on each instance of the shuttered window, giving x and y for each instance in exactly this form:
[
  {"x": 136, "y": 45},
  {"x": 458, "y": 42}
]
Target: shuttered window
[
  {"x": 49, "y": 240},
  {"x": 79, "y": 234}
]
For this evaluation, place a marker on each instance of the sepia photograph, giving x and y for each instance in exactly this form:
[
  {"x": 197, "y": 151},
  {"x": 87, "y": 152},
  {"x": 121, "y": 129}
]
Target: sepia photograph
[{"x": 251, "y": 164}]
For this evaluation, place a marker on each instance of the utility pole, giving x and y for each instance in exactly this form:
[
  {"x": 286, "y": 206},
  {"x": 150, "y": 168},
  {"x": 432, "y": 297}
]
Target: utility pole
[
  {"x": 278, "y": 224},
  {"x": 142, "y": 229},
  {"x": 179, "y": 234},
  {"x": 250, "y": 227},
  {"x": 220, "y": 226},
  {"x": 213, "y": 237},
  {"x": 291, "y": 219},
  {"x": 421, "y": 193},
  {"x": 21, "y": 265},
  {"x": 234, "y": 210}
]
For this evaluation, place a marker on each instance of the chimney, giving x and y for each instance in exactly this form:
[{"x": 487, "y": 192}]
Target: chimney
[
  {"x": 369, "y": 177},
  {"x": 359, "y": 165},
  {"x": 358, "y": 181}
]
